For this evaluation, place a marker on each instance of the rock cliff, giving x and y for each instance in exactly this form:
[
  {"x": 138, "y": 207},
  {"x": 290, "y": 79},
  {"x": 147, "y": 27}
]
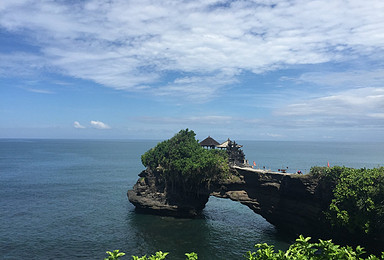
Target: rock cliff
[
  {"x": 149, "y": 195},
  {"x": 291, "y": 202}
]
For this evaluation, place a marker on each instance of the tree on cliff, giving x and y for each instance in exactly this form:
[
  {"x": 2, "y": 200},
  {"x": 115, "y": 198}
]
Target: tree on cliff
[
  {"x": 183, "y": 165},
  {"x": 357, "y": 206}
]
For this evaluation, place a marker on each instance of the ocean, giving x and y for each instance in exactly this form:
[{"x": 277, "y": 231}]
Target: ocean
[{"x": 66, "y": 199}]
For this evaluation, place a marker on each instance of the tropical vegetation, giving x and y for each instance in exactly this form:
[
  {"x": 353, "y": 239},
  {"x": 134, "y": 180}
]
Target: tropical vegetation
[
  {"x": 302, "y": 249},
  {"x": 183, "y": 165},
  {"x": 357, "y": 205}
]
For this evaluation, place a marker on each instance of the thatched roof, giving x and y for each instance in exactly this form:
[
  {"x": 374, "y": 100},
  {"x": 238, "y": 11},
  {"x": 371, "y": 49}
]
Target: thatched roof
[
  {"x": 209, "y": 142},
  {"x": 225, "y": 144}
]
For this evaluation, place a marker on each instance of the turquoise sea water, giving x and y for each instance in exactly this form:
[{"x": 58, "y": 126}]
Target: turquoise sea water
[{"x": 66, "y": 199}]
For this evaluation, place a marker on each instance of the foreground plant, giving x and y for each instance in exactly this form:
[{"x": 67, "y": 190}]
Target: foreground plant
[
  {"x": 191, "y": 256},
  {"x": 157, "y": 256},
  {"x": 303, "y": 249},
  {"x": 114, "y": 255},
  {"x": 161, "y": 256}
]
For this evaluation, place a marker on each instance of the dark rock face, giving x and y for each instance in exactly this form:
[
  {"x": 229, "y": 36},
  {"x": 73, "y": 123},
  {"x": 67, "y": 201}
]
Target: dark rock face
[
  {"x": 291, "y": 202},
  {"x": 150, "y": 196}
]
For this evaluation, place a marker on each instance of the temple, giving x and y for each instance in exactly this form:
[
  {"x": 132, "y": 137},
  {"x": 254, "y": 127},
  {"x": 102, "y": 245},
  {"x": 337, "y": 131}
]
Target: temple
[
  {"x": 226, "y": 144},
  {"x": 209, "y": 142},
  {"x": 235, "y": 154}
]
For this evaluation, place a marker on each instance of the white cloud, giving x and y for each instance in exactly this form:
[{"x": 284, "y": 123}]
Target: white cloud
[
  {"x": 360, "y": 107},
  {"x": 129, "y": 45},
  {"x": 197, "y": 88},
  {"x": 94, "y": 124},
  {"x": 99, "y": 125},
  {"x": 190, "y": 120},
  {"x": 273, "y": 135},
  {"x": 346, "y": 79},
  {"x": 21, "y": 64},
  {"x": 377, "y": 115},
  {"x": 76, "y": 124},
  {"x": 39, "y": 91},
  {"x": 360, "y": 101}
]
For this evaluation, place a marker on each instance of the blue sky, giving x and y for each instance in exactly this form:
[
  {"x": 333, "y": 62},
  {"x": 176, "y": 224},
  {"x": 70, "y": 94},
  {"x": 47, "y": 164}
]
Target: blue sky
[{"x": 249, "y": 70}]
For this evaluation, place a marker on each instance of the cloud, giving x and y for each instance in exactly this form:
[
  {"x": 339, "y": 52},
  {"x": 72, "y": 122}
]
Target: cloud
[
  {"x": 135, "y": 45},
  {"x": 190, "y": 120},
  {"x": 349, "y": 108},
  {"x": 377, "y": 115},
  {"x": 76, "y": 124},
  {"x": 346, "y": 79},
  {"x": 93, "y": 124},
  {"x": 360, "y": 101},
  {"x": 39, "y": 91},
  {"x": 273, "y": 135},
  {"x": 99, "y": 125},
  {"x": 197, "y": 88},
  {"x": 31, "y": 63}
]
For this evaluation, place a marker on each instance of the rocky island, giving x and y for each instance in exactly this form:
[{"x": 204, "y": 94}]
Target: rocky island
[
  {"x": 291, "y": 202},
  {"x": 181, "y": 176}
]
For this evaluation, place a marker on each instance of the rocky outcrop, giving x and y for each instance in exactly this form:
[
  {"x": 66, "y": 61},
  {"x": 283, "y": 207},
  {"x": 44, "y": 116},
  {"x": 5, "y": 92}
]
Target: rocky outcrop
[
  {"x": 291, "y": 202},
  {"x": 149, "y": 195}
]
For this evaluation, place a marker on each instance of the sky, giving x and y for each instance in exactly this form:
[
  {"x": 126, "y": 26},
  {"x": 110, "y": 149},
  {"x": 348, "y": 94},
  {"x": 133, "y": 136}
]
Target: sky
[{"x": 284, "y": 70}]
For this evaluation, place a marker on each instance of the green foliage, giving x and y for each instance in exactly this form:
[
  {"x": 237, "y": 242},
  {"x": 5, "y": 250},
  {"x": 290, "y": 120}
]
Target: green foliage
[
  {"x": 161, "y": 256},
  {"x": 114, "y": 255},
  {"x": 191, "y": 256},
  {"x": 302, "y": 249},
  {"x": 157, "y": 256},
  {"x": 358, "y": 199},
  {"x": 183, "y": 164}
]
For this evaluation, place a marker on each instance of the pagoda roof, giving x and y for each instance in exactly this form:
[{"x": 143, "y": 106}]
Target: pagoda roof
[
  {"x": 225, "y": 144},
  {"x": 209, "y": 141}
]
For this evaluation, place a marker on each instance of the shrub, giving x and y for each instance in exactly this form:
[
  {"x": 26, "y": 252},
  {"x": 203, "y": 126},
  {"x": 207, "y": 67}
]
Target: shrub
[
  {"x": 184, "y": 165},
  {"x": 157, "y": 256},
  {"x": 114, "y": 255},
  {"x": 357, "y": 206},
  {"x": 303, "y": 249}
]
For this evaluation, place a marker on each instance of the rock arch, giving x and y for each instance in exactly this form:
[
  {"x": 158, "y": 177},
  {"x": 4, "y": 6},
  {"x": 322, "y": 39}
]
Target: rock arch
[{"x": 291, "y": 202}]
